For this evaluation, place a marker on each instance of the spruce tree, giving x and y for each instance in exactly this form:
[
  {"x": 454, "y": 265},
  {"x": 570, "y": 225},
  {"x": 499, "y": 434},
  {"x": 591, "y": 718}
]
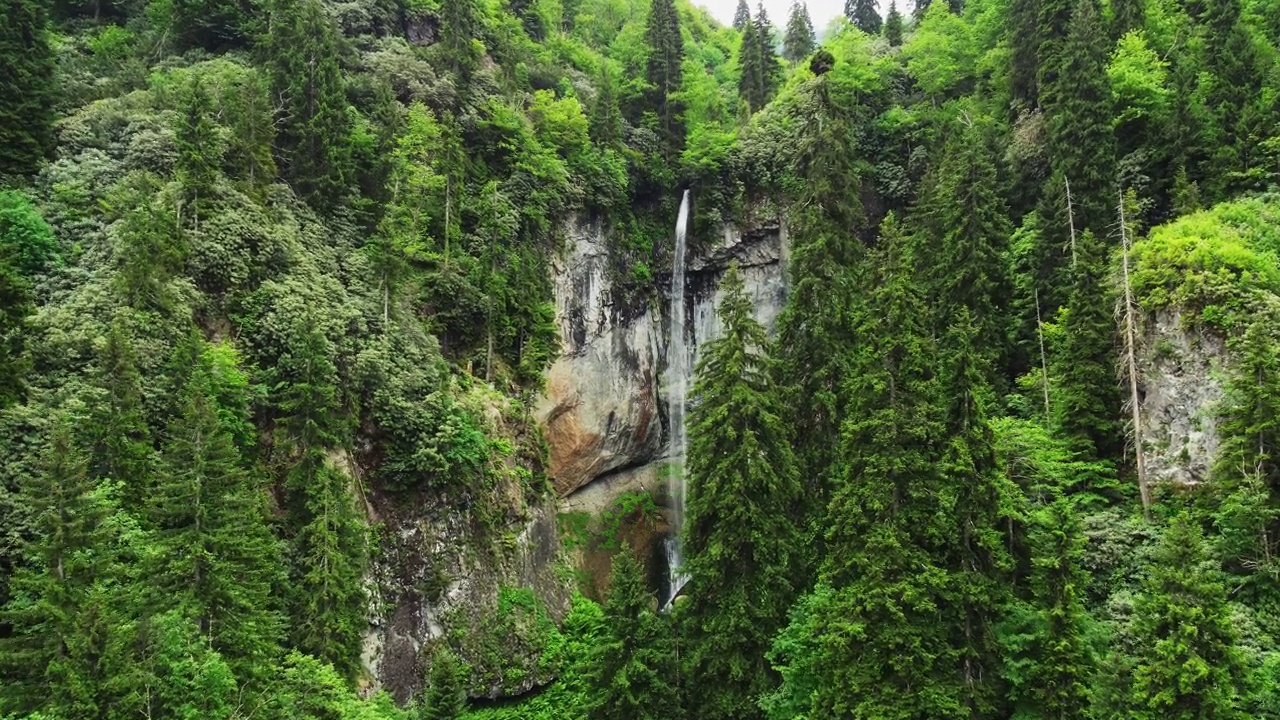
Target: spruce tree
[
  {"x": 121, "y": 447},
  {"x": 26, "y": 87},
  {"x": 1188, "y": 662},
  {"x": 1127, "y": 15},
  {"x": 1241, "y": 118},
  {"x": 1024, "y": 46},
  {"x": 313, "y": 145},
  {"x": 738, "y": 448},
  {"x": 664, "y": 74},
  {"x": 1053, "y": 19},
  {"x": 1087, "y": 394},
  {"x": 460, "y": 24},
  {"x": 1250, "y": 425},
  {"x": 15, "y": 306},
  {"x": 864, "y": 14},
  {"x": 799, "y": 40},
  {"x": 770, "y": 67},
  {"x": 606, "y": 118},
  {"x": 632, "y": 676},
  {"x": 57, "y": 618},
  {"x": 893, "y": 25},
  {"x": 446, "y": 692},
  {"x": 967, "y": 229},
  {"x": 750, "y": 78},
  {"x": 217, "y": 561},
  {"x": 1058, "y": 666},
  {"x": 887, "y": 525},
  {"x": 741, "y": 16},
  {"x": 196, "y": 167}
]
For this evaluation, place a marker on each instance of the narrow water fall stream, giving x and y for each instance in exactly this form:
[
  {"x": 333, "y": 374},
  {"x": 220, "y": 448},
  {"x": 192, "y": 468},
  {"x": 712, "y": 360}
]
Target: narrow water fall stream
[{"x": 679, "y": 369}]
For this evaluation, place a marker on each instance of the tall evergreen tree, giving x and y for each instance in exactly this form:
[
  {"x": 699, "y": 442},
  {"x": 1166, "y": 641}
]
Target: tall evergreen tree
[
  {"x": 26, "y": 87},
  {"x": 632, "y": 676},
  {"x": 741, "y": 583},
  {"x": 799, "y": 40},
  {"x": 741, "y": 16},
  {"x": 196, "y": 166},
  {"x": 460, "y": 25},
  {"x": 1053, "y": 20},
  {"x": 882, "y": 633},
  {"x": 893, "y": 25},
  {"x": 1024, "y": 46},
  {"x": 664, "y": 74},
  {"x": 1189, "y": 665},
  {"x": 1127, "y": 15},
  {"x": 967, "y": 228},
  {"x": 864, "y": 14},
  {"x": 1242, "y": 119},
  {"x": 1087, "y": 394},
  {"x": 606, "y": 118},
  {"x": 313, "y": 143},
  {"x": 122, "y": 448},
  {"x": 770, "y": 67},
  {"x": 750, "y": 68},
  {"x": 446, "y": 693},
  {"x": 1053, "y": 666},
  {"x": 217, "y": 562},
  {"x": 1250, "y": 426}
]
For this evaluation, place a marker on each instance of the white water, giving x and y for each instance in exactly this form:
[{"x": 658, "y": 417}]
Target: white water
[{"x": 679, "y": 369}]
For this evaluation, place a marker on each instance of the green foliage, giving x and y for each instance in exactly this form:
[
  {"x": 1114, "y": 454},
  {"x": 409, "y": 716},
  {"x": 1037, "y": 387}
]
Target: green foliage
[
  {"x": 737, "y": 448},
  {"x": 446, "y": 694},
  {"x": 27, "y": 66},
  {"x": 799, "y": 39},
  {"x": 893, "y": 25},
  {"x": 864, "y": 14}
]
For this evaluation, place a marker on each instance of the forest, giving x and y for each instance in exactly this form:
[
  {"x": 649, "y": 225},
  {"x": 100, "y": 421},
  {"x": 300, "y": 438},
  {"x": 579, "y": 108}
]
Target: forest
[{"x": 266, "y": 265}]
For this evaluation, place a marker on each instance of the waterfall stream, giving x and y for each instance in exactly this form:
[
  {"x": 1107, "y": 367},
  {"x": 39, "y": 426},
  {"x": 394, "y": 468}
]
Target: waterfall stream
[{"x": 679, "y": 369}]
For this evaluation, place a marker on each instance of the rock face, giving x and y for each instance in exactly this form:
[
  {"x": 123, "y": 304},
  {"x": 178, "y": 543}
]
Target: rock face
[
  {"x": 1180, "y": 388},
  {"x": 604, "y": 411}
]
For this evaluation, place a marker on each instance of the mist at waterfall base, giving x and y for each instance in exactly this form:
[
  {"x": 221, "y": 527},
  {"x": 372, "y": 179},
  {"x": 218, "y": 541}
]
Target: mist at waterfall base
[{"x": 679, "y": 371}]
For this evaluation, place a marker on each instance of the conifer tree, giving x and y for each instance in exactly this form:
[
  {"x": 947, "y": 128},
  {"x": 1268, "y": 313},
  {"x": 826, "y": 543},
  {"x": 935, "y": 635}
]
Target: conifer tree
[
  {"x": 1250, "y": 426},
  {"x": 606, "y": 118},
  {"x": 1087, "y": 393},
  {"x": 893, "y": 25},
  {"x": 864, "y": 14},
  {"x": 1053, "y": 20},
  {"x": 968, "y": 227},
  {"x": 460, "y": 24},
  {"x": 886, "y": 531},
  {"x": 1189, "y": 665},
  {"x": 770, "y": 68},
  {"x": 15, "y": 306},
  {"x": 632, "y": 672},
  {"x": 312, "y": 145},
  {"x": 741, "y": 16},
  {"x": 1056, "y": 671},
  {"x": 122, "y": 448},
  {"x": 446, "y": 692},
  {"x": 737, "y": 449},
  {"x": 1024, "y": 46},
  {"x": 799, "y": 40},
  {"x": 26, "y": 87},
  {"x": 217, "y": 561},
  {"x": 751, "y": 77},
  {"x": 51, "y": 657},
  {"x": 664, "y": 74},
  {"x": 196, "y": 166},
  {"x": 1241, "y": 119},
  {"x": 1127, "y": 15}
]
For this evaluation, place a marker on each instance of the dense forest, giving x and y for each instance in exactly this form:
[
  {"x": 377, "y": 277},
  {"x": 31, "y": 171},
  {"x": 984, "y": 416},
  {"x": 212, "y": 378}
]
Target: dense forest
[{"x": 263, "y": 259}]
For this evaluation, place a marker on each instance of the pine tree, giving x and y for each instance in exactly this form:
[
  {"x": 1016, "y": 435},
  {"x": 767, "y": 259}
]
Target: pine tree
[
  {"x": 968, "y": 227},
  {"x": 218, "y": 563},
  {"x": 814, "y": 328},
  {"x": 632, "y": 669},
  {"x": 460, "y": 24},
  {"x": 446, "y": 693},
  {"x": 1024, "y": 45},
  {"x": 799, "y": 40},
  {"x": 664, "y": 74},
  {"x": 1087, "y": 394},
  {"x": 1250, "y": 426},
  {"x": 196, "y": 167},
  {"x": 26, "y": 87},
  {"x": 312, "y": 145},
  {"x": 738, "y": 449},
  {"x": 122, "y": 448},
  {"x": 1053, "y": 20},
  {"x": 1059, "y": 669},
  {"x": 328, "y": 600},
  {"x": 15, "y": 306},
  {"x": 741, "y": 16},
  {"x": 1189, "y": 665},
  {"x": 1127, "y": 15},
  {"x": 864, "y": 14},
  {"x": 770, "y": 67},
  {"x": 1240, "y": 117},
  {"x": 606, "y": 118},
  {"x": 751, "y": 77},
  {"x": 886, "y": 530},
  {"x": 50, "y": 660},
  {"x": 893, "y": 25}
]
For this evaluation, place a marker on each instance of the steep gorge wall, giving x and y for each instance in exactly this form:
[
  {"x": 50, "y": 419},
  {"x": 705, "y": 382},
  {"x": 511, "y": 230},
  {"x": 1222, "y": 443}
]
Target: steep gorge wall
[{"x": 604, "y": 411}]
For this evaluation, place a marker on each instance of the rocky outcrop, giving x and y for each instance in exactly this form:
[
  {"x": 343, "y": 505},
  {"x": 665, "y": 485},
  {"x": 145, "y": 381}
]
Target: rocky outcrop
[{"x": 1181, "y": 388}]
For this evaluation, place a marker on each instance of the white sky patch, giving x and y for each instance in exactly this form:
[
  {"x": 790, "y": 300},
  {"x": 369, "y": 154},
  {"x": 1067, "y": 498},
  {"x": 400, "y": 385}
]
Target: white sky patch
[{"x": 820, "y": 11}]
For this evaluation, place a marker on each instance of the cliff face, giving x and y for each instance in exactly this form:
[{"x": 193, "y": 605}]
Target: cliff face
[{"x": 605, "y": 406}]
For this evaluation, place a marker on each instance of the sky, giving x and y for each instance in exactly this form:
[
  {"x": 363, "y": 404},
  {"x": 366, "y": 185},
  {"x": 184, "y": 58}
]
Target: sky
[{"x": 820, "y": 11}]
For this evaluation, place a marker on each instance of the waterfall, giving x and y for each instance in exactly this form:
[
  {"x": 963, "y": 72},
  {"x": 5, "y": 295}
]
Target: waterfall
[{"x": 679, "y": 369}]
